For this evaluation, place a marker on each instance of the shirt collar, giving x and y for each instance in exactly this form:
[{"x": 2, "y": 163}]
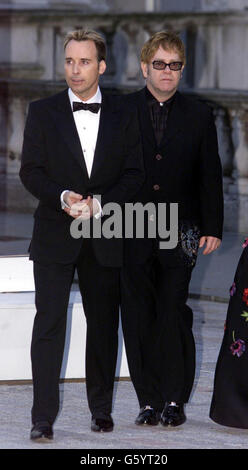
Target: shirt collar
[
  {"x": 97, "y": 98},
  {"x": 152, "y": 100}
]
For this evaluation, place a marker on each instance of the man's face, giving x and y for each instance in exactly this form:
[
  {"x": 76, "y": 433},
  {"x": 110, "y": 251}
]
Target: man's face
[
  {"x": 162, "y": 83},
  {"x": 82, "y": 69}
]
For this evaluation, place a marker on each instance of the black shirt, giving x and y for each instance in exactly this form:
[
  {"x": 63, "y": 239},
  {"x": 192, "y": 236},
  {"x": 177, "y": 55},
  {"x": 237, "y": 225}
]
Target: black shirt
[{"x": 159, "y": 114}]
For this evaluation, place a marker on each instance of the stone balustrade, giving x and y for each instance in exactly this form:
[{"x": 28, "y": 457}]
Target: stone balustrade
[
  {"x": 31, "y": 67},
  {"x": 215, "y": 43}
]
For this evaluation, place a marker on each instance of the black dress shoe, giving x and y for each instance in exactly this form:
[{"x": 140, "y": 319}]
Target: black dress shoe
[
  {"x": 148, "y": 415},
  {"x": 42, "y": 431},
  {"x": 102, "y": 425},
  {"x": 173, "y": 415}
]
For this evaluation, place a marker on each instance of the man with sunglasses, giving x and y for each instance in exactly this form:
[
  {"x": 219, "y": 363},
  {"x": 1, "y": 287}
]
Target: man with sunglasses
[{"x": 182, "y": 166}]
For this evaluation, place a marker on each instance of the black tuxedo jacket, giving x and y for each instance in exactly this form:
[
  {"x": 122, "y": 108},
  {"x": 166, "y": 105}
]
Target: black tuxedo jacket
[
  {"x": 52, "y": 161},
  {"x": 185, "y": 168}
]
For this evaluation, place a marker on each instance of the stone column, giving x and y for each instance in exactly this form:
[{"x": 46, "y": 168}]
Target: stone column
[
  {"x": 132, "y": 72},
  {"x": 236, "y": 197},
  {"x": 3, "y": 143},
  {"x": 109, "y": 33},
  {"x": 240, "y": 162},
  {"x": 15, "y": 192},
  {"x": 225, "y": 145}
]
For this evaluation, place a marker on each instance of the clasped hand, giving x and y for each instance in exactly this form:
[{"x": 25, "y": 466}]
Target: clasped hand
[{"x": 79, "y": 207}]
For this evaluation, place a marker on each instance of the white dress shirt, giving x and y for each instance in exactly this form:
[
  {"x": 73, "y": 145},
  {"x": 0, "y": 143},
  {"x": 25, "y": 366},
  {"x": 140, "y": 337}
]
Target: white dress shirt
[{"x": 87, "y": 124}]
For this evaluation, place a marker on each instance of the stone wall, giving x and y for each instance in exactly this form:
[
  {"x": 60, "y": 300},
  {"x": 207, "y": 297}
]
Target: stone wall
[
  {"x": 216, "y": 44},
  {"x": 200, "y": 5},
  {"x": 31, "y": 66}
]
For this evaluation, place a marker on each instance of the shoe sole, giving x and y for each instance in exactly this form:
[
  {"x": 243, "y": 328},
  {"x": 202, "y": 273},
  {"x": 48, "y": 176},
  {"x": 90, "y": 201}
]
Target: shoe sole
[
  {"x": 42, "y": 440},
  {"x": 102, "y": 430},
  {"x": 146, "y": 424},
  {"x": 170, "y": 425}
]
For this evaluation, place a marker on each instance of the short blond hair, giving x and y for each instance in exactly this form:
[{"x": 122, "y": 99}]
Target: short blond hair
[
  {"x": 88, "y": 35},
  {"x": 168, "y": 40}
]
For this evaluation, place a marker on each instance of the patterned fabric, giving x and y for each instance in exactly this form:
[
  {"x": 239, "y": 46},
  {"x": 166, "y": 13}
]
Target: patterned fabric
[
  {"x": 229, "y": 405},
  {"x": 188, "y": 240}
]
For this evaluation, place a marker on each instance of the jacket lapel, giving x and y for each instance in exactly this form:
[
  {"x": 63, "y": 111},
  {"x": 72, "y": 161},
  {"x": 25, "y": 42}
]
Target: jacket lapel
[
  {"x": 108, "y": 117},
  {"x": 145, "y": 119},
  {"x": 177, "y": 120},
  {"x": 65, "y": 123}
]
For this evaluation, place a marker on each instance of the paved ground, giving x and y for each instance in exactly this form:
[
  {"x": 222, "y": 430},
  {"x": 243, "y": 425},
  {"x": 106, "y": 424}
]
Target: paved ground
[
  {"x": 209, "y": 296},
  {"x": 72, "y": 428}
]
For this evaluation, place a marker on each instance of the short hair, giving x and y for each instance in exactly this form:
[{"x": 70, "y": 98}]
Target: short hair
[
  {"x": 169, "y": 40},
  {"x": 88, "y": 35}
]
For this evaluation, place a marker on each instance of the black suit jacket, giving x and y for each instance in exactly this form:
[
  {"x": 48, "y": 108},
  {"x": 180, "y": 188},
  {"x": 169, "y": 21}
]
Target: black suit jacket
[
  {"x": 185, "y": 166},
  {"x": 52, "y": 161}
]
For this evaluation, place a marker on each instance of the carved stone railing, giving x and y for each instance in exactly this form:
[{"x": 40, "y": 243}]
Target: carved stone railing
[
  {"x": 231, "y": 118},
  {"x": 31, "y": 67},
  {"x": 33, "y": 40}
]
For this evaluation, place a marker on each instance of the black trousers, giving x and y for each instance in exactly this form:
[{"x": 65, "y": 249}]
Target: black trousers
[
  {"x": 157, "y": 327},
  {"x": 99, "y": 288}
]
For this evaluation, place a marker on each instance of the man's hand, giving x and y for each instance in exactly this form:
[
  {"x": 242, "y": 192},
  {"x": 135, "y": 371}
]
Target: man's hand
[
  {"x": 84, "y": 209},
  {"x": 71, "y": 198},
  {"x": 212, "y": 243}
]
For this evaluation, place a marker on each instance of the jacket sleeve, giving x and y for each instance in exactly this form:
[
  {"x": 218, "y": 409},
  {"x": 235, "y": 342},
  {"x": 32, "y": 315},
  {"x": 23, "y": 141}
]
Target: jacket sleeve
[
  {"x": 34, "y": 165},
  {"x": 211, "y": 187}
]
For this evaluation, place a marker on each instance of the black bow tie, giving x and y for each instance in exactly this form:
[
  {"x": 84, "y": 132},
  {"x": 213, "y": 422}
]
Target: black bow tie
[{"x": 93, "y": 107}]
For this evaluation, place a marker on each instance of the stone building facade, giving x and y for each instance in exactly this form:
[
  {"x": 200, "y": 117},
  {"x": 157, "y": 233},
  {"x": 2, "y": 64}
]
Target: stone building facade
[{"x": 216, "y": 36}]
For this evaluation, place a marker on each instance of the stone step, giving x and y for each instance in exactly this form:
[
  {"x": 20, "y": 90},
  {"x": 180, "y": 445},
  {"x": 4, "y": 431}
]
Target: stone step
[
  {"x": 16, "y": 274},
  {"x": 17, "y": 312}
]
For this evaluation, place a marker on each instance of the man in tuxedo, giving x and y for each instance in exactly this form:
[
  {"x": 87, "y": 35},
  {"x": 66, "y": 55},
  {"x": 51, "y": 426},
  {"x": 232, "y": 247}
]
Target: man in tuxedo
[
  {"x": 182, "y": 166},
  {"x": 77, "y": 144}
]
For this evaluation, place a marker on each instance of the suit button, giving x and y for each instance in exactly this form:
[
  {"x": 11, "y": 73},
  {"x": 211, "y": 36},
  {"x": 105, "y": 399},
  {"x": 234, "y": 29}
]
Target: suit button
[
  {"x": 159, "y": 157},
  {"x": 156, "y": 187}
]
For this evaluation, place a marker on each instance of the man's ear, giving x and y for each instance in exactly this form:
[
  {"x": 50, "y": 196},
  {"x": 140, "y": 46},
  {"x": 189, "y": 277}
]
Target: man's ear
[
  {"x": 144, "y": 68},
  {"x": 102, "y": 67}
]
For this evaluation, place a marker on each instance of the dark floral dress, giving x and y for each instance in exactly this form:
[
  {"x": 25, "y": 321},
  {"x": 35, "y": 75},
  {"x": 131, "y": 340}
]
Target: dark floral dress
[{"x": 229, "y": 405}]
